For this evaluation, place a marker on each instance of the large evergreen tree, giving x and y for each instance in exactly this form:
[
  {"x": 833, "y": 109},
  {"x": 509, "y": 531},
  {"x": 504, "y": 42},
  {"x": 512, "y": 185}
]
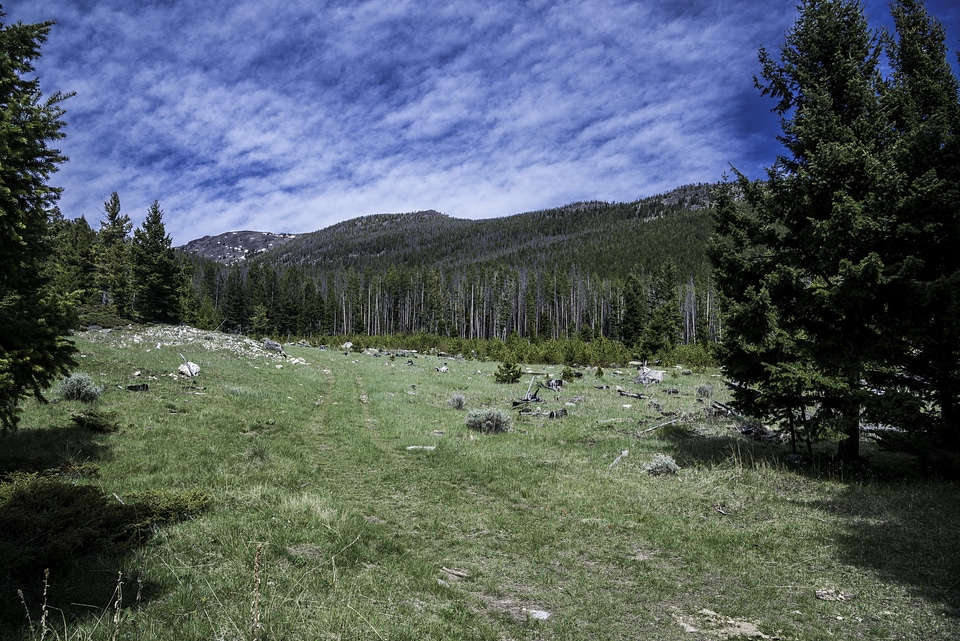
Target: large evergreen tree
[
  {"x": 814, "y": 248},
  {"x": 113, "y": 258},
  {"x": 33, "y": 350},
  {"x": 922, "y": 384},
  {"x": 158, "y": 277}
]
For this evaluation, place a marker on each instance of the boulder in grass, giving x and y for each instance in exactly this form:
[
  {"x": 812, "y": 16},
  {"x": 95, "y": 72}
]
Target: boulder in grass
[
  {"x": 273, "y": 346},
  {"x": 189, "y": 368}
]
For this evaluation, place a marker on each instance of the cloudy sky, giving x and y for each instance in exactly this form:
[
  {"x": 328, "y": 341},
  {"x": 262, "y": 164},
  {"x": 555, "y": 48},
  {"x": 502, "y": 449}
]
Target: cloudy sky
[{"x": 292, "y": 115}]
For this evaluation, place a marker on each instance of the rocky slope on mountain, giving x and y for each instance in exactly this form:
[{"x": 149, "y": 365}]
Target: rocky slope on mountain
[{"x": 234, "y": 246}]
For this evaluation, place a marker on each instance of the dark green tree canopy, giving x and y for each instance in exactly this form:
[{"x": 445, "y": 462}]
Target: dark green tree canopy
[
  {"x": 839, "y": 269},
  {"x": 113, "y": 261},
  {"x": 33, "y": 352},
  {"x": 158, "y": 279}
]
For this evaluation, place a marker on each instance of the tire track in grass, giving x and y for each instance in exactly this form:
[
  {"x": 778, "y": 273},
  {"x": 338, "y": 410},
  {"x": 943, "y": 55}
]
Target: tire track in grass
[{"x": 347, "y": 448}]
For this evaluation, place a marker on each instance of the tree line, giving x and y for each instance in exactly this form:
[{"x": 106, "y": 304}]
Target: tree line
[
  {"x": 652, "y": 313},
  {"x": 112, "y": 274}
]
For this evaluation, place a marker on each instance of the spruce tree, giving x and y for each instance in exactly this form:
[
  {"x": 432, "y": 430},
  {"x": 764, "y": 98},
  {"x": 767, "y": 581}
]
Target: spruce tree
[
  {"x": 662, "y": 331},
  {"x": 814, "y": 249},
  {"x": 235, "y": 306},
  {"x": 33, "y": 350},
  {"x": 113, "y": 260},
  {"x": 922, "y": 384},
  {"x": 635, "y": 311},
  {"x": 73, "y": 265},
  {"x": 158, "y": 278}
]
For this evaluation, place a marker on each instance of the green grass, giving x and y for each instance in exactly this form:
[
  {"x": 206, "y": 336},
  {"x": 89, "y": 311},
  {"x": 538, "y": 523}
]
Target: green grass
[{"x": 363, "y": 538}]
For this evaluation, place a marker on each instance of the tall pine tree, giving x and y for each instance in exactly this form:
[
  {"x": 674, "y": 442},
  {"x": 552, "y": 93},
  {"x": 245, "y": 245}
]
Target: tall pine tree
[
  {"x": 33, "y": 350},
  {"x": 922, "y": 98},
  {"x": 113, "y": 259},
  {"x": 158, "y": 277},
  {"x": 815, "y": 247}
]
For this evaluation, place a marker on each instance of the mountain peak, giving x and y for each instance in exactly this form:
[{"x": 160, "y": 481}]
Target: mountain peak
[{"x": 235, "y": 246}]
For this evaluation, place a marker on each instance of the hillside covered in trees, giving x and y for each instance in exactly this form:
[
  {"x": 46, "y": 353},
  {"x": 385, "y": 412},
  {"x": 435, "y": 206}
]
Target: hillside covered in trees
[
  {"x": 635, "y": 272},
  {"x": 608, "y": 239}
]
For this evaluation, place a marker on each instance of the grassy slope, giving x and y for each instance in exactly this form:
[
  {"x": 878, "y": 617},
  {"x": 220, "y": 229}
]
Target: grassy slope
[{"x": 365, "y": 539}]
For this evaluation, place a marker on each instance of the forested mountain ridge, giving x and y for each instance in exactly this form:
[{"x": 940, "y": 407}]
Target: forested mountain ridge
[
  {"x": 608, "y": 239},
  {"x": 636, "y": 272}
]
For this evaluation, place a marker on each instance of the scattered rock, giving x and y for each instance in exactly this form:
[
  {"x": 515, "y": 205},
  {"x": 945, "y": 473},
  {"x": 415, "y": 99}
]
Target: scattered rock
[
  {"x": 833, "y": 595},
  {"x": 189, "y": 368},
  {"x": 272, "y": 346}
]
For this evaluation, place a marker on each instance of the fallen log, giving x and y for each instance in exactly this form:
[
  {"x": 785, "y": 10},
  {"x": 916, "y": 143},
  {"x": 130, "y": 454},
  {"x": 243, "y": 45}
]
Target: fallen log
[
  {"x": 723, "y": 408},
  {"x": 656, "y": 427},
  {"x": 525, "y": 400}
]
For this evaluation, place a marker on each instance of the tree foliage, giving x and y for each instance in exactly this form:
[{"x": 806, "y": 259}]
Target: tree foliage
[
  {"x": 113, "y": 258},
  {"x": 836, "y": 280},
  {"x": 33, "y": 350},
  {"x": 158, "y": 277}
]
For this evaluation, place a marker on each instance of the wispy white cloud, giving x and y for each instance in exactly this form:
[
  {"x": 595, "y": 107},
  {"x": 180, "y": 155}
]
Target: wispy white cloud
[{"x": 289, "y": 116}]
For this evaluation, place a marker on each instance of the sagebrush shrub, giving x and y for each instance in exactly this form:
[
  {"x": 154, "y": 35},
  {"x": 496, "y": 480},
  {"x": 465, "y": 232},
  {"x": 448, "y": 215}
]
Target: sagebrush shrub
[
  {"x": 662, "y": 464},
  {"x": 488, "y": 421},
  {"x": 79, "y": 387},
  {"x": 457, "y": 401}
]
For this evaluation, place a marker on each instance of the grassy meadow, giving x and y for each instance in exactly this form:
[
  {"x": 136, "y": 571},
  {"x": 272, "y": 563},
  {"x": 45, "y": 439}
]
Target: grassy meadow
[{"x": 350, "y": 501}]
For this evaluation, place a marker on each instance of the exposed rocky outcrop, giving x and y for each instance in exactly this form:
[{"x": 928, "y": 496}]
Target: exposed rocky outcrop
[{"x": 234, "y": 246}]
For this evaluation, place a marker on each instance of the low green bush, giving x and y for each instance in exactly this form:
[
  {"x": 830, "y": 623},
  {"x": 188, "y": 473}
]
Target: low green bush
[
  {"x": 159, "y": 507},
  {"x": 46, "y": 521},
  {"x": 97, "y": 421}
]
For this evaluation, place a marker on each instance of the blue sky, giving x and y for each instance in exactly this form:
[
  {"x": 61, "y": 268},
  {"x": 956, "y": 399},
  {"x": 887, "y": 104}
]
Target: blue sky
[{"x": 292, "y": 115}]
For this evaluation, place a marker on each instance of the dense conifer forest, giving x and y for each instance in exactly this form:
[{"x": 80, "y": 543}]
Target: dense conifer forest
[{"x": 634, "y": 273}]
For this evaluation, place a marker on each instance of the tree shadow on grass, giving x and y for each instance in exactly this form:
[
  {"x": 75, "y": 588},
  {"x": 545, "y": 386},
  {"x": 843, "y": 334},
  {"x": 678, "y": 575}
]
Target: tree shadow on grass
[
  {"x": 56, "y": 449},
  {"x": 906, "y": 533},
  {"x": 714, "y": 451},
  {"x": 900, "y": 527},
  {"x": 52, "y": 518}
]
